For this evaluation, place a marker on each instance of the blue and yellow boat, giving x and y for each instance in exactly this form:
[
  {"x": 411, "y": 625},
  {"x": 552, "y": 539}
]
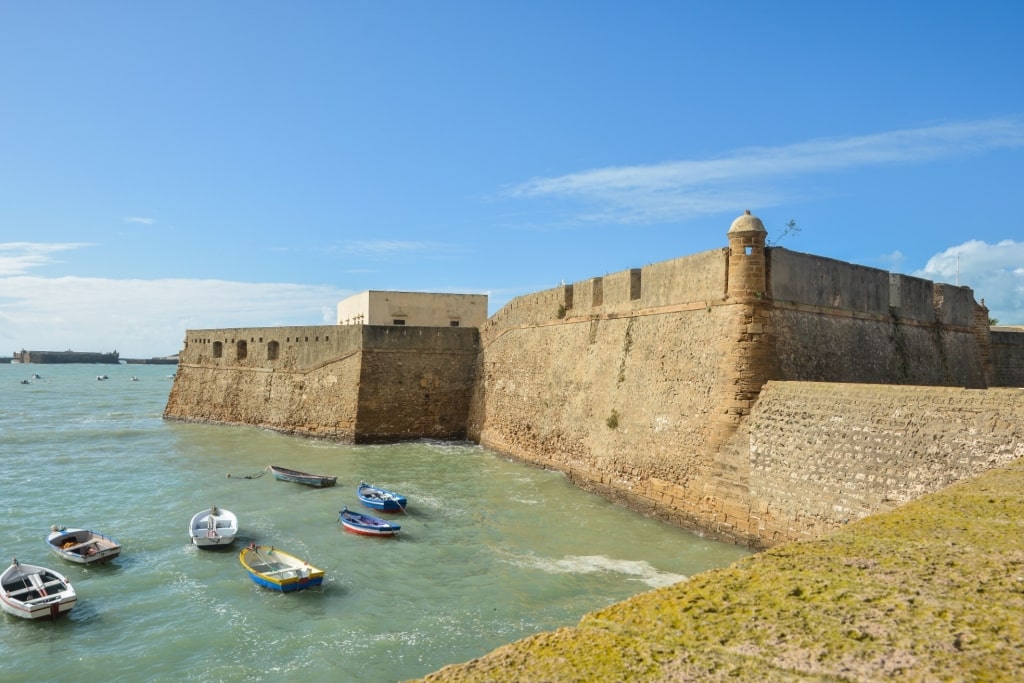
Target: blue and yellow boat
[{"x": 277, "y": 570}]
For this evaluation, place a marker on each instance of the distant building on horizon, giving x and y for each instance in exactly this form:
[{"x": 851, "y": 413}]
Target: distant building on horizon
[
  {"x": 418, "y": 309},
  {"x": 69, "y": 356}
]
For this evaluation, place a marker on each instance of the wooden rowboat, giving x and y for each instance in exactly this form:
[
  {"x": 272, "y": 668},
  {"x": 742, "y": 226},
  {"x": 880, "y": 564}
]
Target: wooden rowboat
[
  {"x": 367, "y": 525},
  {"x": 32, "y": 592},
  {"x": 286, "y": 474},
  {"x": 380, "y": 499},
  {"x": 82, "y": 546},
  {"x": 277, "y": 570}
]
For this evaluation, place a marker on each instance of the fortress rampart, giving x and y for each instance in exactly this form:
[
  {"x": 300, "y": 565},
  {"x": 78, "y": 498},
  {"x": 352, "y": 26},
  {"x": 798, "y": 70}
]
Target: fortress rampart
[
  {"x": 1008, "y": 357},
  {"x": 352, "y": 383},
  {"x": 756, "y": 394}
]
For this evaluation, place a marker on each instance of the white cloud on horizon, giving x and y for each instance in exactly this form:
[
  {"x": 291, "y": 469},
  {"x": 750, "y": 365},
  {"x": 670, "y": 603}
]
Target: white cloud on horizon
[
  {"x": 17, "y": 258},
  {"x": 681, "y": 189},
  {"x": 143, "y": 318},
  {"x": 139, "y": 219},
  {"x": 994, "y": 271}
]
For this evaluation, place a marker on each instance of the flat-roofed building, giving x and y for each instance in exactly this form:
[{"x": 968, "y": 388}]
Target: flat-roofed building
[{"x": 421, "y": 309}]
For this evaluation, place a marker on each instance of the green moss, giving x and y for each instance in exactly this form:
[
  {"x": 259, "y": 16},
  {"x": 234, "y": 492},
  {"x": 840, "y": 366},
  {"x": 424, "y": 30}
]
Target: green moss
[{"x": 932, "y": 591}]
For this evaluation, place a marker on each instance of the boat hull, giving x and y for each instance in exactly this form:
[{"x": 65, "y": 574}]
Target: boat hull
[
  {"x": 213, "y": 528},
  {"x": 365, "y": 525},
  {"x": 279, "y": 571},
  {"x": 380, "y": 499},
  {"x": 304, "y": 478},
  {"x": 82, "y": 546},
  {"x": 31, "y": 592}
]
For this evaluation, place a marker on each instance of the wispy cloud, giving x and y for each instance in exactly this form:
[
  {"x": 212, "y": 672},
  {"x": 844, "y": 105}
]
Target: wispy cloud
[
  {"x": 682, "y": 189},
  {"x": 994, "y": 271},
  {"x": 377, "y": 249},
  {"x": 17, "y": 258},
  {"x": 384, "y": 247},
  {"x": 139, "y": 219},
  {"x": 893, "y": 261}
]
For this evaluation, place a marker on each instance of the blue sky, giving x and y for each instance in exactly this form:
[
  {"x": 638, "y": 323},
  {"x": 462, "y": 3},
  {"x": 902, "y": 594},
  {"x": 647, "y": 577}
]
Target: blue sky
[{"x": 174, "y": 166}]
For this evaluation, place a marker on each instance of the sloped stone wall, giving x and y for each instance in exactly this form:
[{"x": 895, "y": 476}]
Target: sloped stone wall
[{"x": 821, "y": 454}]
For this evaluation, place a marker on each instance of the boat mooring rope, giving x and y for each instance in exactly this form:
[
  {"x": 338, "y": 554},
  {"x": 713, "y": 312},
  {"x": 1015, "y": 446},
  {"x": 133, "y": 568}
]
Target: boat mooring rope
[{"x": 254, "y": 475}]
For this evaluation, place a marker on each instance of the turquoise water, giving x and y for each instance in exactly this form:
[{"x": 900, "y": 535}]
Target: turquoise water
[{"x": 490, "y": 550}]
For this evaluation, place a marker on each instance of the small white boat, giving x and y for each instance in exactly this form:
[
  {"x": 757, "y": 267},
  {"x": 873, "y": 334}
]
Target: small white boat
[
  {"x": 82, "y": 546},
  {"x": 32, "y": 592},
  {"x": 213, "y": 527}
]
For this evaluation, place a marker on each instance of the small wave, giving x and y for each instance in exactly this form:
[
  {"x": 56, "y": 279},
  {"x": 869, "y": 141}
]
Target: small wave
[{"x": 637, "y": 570}]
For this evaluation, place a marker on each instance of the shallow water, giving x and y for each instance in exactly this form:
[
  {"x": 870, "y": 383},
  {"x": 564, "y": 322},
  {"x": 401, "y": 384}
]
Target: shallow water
[{"x": 490, "y": 550}]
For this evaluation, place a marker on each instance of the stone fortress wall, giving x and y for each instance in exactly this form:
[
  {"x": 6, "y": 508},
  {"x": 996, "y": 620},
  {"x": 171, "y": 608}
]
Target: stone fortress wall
[
  {"x": 352, "y": 383},
  {"x": 1007, "y": 348},
  {"x": 755, "y": 394}
]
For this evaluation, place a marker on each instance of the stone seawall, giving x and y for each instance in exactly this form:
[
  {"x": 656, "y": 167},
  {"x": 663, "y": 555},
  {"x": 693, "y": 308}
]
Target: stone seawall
[
  {"x": 815, "y": 456},
  {"x": 415, "y": 382},
  {"x": 355, "y": 384},
  {"x": 629, "y": 407},
  {"x": 620, "y": 404},
  {"x": 652, "y": 406}
]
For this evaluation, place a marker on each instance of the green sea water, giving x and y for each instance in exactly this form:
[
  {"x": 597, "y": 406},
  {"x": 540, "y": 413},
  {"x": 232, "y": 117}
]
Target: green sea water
[{"x": 490, "y": 550}]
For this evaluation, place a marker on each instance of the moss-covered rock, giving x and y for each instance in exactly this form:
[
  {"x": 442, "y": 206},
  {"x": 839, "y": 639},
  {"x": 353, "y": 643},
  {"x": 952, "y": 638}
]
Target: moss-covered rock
[{"x": 933, "y": 591}]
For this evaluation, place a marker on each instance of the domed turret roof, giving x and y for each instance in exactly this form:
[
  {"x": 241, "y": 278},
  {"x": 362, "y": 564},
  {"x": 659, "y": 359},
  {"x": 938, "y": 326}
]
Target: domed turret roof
[{"x": 747, "y": 223}]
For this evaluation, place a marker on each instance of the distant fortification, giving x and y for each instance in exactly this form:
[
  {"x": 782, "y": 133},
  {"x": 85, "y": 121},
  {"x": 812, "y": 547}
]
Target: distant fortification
[
  {"x": 752, "y": 393},
  {"x": 48, "y": 357}
]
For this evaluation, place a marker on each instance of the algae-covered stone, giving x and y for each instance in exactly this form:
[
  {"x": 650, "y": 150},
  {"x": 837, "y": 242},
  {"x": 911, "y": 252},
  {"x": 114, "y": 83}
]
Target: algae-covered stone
[{"x": 933, "y": 591}]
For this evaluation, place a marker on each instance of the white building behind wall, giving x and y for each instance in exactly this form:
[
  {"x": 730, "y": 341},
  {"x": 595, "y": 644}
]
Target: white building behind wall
[{"x": 421, "y": 309}]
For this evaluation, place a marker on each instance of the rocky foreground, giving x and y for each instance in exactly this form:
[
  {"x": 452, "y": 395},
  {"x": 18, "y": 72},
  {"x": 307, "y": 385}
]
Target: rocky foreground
[{"x": 931, "y": 592}]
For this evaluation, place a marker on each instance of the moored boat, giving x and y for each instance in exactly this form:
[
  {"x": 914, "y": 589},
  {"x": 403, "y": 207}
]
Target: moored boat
[
  {"x": 213, "y": 527},
  {"x": 380, "y": 499},
  {"x": 367, "y": 525},
  {"x": 32, "y": 592},
  {"x": 317, "y": 480},
  {"x": 277, "y": 570},
  {"x": 82, "y": 546}
]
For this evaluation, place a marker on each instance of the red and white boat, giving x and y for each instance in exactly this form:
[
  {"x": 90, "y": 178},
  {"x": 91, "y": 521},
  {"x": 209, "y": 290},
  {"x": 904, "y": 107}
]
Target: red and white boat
[{"x": 367, "y": 525}]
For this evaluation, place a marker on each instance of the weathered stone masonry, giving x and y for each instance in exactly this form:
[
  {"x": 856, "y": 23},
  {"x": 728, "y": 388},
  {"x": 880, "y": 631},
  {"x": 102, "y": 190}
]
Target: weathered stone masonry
[
  {"x": 352, "y": 383},
  {"x": 753, "y": 393}
]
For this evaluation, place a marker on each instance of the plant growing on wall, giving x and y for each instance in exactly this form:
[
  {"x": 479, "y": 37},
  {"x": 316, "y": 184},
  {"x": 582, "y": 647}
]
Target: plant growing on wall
[
  {"x": 613, "y": 420},
  {"x": 791, "y": 229}
]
